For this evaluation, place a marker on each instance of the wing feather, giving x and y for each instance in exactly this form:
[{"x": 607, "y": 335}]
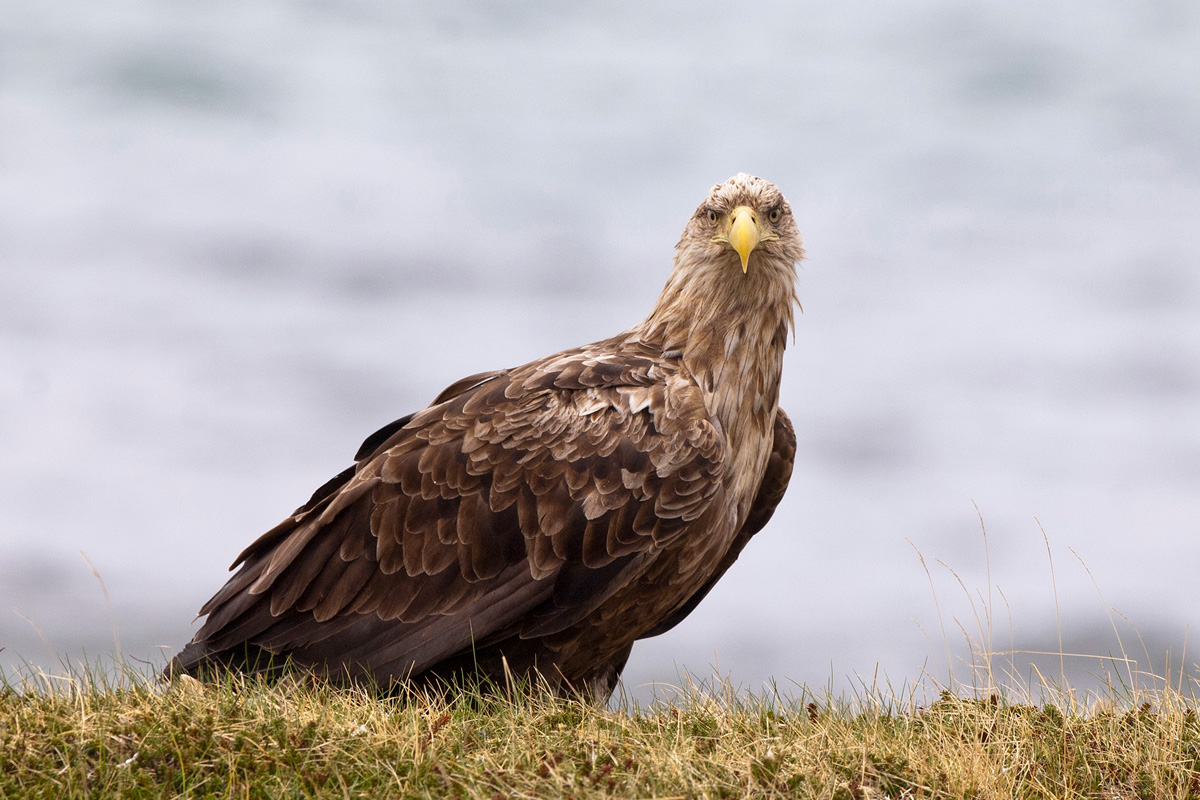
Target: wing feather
[
  {"x": 345, "y": 587},
  {"x": 517, "y": 504}
]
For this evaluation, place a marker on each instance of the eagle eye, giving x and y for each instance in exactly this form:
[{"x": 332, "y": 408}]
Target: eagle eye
[
  {"x": 710, "y": 214},
  {"x": 775, "y": 214}
]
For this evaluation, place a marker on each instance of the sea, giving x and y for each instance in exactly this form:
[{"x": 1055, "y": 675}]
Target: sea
[{"x": 236, "y": 238}]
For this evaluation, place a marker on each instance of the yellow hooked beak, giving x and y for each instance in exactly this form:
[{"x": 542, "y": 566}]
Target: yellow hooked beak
[{"x": 744, "y": 235}]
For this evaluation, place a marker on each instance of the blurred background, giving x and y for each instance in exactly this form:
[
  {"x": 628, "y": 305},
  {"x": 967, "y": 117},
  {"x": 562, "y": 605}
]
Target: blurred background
[{"x": 236, "y": 238}]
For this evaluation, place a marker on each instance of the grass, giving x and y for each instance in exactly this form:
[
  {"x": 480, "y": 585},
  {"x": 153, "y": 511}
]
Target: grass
[
  {"x": 83, "y": 737},
  {"x": 95, "y": 733}
]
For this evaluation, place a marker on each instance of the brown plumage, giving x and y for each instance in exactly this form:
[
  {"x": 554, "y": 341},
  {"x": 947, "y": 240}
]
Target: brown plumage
[{"x": 539, "y": 520}]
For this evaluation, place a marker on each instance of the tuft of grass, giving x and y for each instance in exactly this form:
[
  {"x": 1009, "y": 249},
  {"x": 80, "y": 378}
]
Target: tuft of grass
[{"x": 83, "y": 737}]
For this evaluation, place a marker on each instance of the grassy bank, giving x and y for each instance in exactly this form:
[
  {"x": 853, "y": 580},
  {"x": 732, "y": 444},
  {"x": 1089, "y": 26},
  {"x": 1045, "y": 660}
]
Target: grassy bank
[{"x": 79, "y": 739}]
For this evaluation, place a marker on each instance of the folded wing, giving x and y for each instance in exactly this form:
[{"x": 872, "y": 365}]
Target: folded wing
[{"x": 512, "y": 507}]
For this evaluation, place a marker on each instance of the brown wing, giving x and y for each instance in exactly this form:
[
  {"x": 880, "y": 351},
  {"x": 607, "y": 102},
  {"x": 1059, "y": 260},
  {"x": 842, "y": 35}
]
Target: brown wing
[
  {"x": 513, "y": 506},
  {"x": 770, "y": 492}
]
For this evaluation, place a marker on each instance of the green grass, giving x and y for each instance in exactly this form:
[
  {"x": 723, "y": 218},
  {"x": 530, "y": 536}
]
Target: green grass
[
  {"x": 85, "y": 737},
  {"x": 94, "y": 732}
]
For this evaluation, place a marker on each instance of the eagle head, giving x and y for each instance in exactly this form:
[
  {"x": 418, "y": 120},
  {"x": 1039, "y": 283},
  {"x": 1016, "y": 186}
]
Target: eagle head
[{"x": 743, "y": 216}]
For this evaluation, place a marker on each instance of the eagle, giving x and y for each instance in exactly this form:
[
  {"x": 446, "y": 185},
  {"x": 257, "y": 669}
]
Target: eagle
[{"x": 537, "y": 521}]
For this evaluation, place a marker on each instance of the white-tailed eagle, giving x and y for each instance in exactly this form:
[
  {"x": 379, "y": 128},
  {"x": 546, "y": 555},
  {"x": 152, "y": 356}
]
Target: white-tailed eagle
[{"x": 538, "y": 520}]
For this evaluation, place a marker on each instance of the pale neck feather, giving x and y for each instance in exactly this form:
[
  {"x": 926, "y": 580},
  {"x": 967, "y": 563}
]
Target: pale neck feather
[{"x": 730, "y": 329}]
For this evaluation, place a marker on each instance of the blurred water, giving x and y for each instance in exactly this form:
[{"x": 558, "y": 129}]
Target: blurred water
[{"x": 237, "y": 238}]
